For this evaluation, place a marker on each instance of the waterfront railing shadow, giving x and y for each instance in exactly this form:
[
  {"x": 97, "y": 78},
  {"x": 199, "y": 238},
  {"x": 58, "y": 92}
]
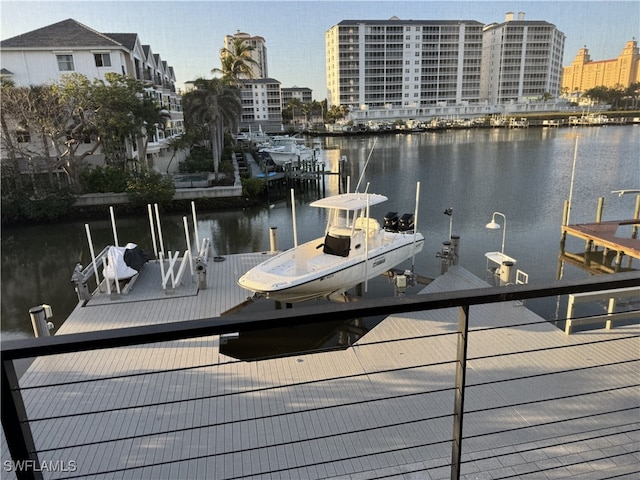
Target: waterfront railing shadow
[{"x": 432, "y": 399}]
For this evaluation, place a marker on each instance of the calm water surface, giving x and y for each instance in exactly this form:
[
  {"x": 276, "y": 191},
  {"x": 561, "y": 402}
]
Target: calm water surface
[{"x": 525, "y": 174}]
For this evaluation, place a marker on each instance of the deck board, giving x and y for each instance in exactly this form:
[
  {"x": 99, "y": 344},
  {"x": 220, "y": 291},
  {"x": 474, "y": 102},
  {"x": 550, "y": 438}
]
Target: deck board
[{"x": 315, "y": 424}]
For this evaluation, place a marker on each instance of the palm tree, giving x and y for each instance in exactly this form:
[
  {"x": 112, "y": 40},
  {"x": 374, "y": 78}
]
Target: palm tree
[
  {"x": 237, "y": 62},
  {"x": 211, "y": 109}
]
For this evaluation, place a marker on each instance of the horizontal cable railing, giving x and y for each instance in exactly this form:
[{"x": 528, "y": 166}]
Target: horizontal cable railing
[{"x": 23, "y": 433}]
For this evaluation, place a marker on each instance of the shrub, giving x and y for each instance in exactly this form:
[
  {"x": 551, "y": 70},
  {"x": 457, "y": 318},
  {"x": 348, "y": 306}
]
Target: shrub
[
  {"x": 253, "y": 187},
  {"x": 150, "y": 187},
  {"x": 199, "y": 160},
  {"x": 104, "y": 180}
]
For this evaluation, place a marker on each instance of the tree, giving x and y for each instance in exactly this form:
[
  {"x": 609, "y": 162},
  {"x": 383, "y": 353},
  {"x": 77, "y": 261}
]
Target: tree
[
  {"x": 293, "y": 109},
  {"x": 68, "y": 121},
  {"x": 124, "y": 114},
  {"x": 337, "y": 112},
  {"x": 632, "y": 93},
  {"x": 50, "y": 128},
  {"x": 210, "y": 110},
  {"x": 237, "y": 62}
]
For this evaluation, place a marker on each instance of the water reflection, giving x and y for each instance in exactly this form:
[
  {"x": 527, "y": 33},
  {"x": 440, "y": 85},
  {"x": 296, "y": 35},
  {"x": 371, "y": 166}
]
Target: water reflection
[{"x": 523, "y": 173}]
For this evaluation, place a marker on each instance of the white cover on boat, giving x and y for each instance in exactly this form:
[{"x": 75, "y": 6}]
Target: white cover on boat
[{"x": 116, "y": 264}]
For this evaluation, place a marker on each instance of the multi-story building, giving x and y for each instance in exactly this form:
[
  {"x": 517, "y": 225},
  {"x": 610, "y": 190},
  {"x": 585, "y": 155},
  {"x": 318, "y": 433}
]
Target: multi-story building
[
  {"x": 584, "y": 73},
  {"x": 521, "y": 60},
  {"x": 303, "y": 94},
  {"x": 258, "y": 54},
  {"x": 43, "y": 55},
  {"x": 261, "y": 104},
  {"x": 402, "y": 63},
  {"x": 435, "y": 68}
]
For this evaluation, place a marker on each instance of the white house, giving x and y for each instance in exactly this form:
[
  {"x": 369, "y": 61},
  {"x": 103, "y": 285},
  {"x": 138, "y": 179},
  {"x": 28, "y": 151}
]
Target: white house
[{"x": 43, "y": 55}]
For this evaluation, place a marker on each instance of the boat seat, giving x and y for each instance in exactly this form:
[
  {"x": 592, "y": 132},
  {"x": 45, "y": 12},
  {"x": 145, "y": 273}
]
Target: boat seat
[
  {"x": 339, "y": 246},
  {"x": 366, "y": 223}
]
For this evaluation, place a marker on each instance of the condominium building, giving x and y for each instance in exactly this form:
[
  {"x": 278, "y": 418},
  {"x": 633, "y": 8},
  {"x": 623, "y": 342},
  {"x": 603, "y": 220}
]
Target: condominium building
[
  {"x": 521, "y": 60},
  {"x": 42, "y": 56},
  {"x": 304, "y": 94},
  {"x": 423, "y": 63},
  {"x": 584, "y": 73},
  {"x": 258, "y": 54},
  {"x": 395, "y": 63},
  {"x": 261, "y": 104}
]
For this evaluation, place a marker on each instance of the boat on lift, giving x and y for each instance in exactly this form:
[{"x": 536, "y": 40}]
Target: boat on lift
[
  {"x": 354, "y": 249},
  {"x": 288, "y": 150}
]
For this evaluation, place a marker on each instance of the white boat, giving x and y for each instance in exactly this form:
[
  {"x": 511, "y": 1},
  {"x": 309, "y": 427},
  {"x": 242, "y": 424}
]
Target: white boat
[
  {"x": 354, "y": 249},
  {"x": 288, "y": 150}
]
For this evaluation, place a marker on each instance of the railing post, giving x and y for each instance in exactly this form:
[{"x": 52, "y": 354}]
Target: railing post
[
  {"x": 16, "y": 429},
  {"x": 461, "y": 373}
]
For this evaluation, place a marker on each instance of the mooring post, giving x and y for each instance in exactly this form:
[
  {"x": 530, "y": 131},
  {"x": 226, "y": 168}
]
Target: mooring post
[
  {"x": 599, "y": 209},
  {"x": 455, "y": 249},
  {"x": 505, "y": 272},
  {"x": 39, "y": 316},
  {"x": 445, "y": 256},
  {"x": 273, "y": 239},
  {"x": 565, "y": 219},
  {"x": 636, "y": 215}
]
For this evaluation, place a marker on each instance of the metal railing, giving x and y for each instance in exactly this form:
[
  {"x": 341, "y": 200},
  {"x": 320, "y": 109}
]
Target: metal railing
[{"x": 16, "y": 423}]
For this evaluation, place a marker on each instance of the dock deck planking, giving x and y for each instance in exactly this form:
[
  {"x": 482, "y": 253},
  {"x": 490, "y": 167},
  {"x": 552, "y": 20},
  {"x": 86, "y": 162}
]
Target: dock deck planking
[{"x": 336, "y": 427}]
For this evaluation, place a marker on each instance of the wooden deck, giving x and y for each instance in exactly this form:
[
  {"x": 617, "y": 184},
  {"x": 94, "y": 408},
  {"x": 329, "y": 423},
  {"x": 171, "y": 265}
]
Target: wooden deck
[
  {"x": 604, "y": 234},
  {"x": 353, "y": 414}
]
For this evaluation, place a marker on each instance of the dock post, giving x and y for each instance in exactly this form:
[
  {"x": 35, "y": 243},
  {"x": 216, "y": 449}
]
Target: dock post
[
  {"x": 565, "y": 219},
  {"x": 39, "y": 316},
  {"x": 273, "y": 239},
  {"x": 599, "y": 210},
  {"x": 505, "y": 273},
  {"x": 636, "y": 215},
  {"x": 455, "y": 248},
  {"x": 445, "y": 255}
]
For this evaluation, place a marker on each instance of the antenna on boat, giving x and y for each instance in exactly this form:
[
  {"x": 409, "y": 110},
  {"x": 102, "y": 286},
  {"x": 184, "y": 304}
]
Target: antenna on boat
[{"x": 366, "y": 163}]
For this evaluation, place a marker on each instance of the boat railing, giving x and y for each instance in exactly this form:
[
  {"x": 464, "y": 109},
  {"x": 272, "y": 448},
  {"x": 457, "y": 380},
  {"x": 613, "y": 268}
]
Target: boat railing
[{"x": 20, "y": 432}]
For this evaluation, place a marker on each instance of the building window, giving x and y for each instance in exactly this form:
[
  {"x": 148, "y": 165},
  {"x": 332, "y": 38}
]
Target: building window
[
  {"x": 102, "y": 59},
  {"x": 65, "y": 63}
]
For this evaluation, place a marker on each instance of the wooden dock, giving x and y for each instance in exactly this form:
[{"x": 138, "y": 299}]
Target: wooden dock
[
  {"x": 381, "y": 408},
  {"x": 604, "y": 248}
]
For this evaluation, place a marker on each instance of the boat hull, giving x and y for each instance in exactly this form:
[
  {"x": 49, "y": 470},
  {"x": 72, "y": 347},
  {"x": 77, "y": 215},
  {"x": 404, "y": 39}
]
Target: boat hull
[
  {"x": 284, "y": 158},
  {"x": 299, "y": 275}
]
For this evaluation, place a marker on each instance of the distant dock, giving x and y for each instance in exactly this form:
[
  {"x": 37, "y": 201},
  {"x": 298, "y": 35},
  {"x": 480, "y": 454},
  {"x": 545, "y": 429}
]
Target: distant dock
[{"x": 605, "y": 248}]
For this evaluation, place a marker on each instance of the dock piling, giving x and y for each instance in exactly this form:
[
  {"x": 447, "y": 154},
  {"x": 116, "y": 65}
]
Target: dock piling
[{"x": 39, "y": 316}]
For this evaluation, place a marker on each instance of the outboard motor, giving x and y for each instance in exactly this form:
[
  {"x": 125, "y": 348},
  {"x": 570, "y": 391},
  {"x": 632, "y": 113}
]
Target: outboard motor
[
  {"x": 406, "y": 222},
  {"x": 391, "y": 222}
]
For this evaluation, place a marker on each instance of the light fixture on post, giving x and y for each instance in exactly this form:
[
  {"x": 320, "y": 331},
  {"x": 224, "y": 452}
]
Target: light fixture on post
[
  {"x": 493, "y": 225},
  {"x": 504, "y": 263}
]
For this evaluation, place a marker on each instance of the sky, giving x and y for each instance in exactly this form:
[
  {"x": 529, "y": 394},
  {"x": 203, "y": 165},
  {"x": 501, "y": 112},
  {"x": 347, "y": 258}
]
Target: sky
[{"x": 189, "y": 34}]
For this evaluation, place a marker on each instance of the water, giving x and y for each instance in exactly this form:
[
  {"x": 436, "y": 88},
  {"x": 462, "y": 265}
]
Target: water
[{"x": 524, "y": 174}]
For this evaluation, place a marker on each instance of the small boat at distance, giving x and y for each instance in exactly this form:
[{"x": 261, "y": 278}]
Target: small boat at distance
[
  {"x": 354, "y": 249},
  {"x": 284, "y": 150}
]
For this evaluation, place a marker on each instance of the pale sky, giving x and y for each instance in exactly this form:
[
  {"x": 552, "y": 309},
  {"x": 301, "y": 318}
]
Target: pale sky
[{"x": 189, "y": 34}]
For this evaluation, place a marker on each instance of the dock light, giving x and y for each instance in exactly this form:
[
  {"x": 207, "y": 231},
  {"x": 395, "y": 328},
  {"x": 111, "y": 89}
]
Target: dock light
[{"x": 493, "y": 225}]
